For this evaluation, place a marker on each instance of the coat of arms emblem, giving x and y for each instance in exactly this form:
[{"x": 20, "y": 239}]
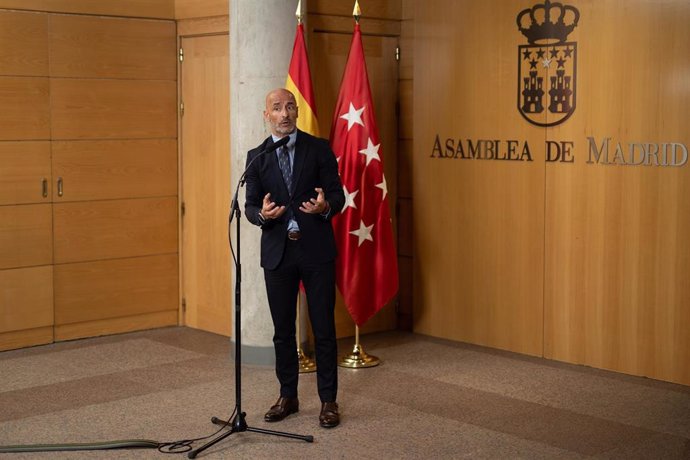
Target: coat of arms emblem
[{"x": 547, "y": 65}]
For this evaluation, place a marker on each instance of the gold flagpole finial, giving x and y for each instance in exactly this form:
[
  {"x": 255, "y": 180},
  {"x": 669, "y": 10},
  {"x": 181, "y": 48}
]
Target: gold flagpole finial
[
  {"x": 298, "y": 13},
  {"x": 356, "y": 12}
]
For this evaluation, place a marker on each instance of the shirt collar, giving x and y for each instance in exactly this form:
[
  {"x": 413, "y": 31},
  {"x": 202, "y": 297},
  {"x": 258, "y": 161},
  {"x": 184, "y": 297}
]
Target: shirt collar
[{"x": 291, "y": 143}]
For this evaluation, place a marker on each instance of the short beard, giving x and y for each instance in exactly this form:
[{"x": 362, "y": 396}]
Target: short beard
[{"x": 279, "y": 129}]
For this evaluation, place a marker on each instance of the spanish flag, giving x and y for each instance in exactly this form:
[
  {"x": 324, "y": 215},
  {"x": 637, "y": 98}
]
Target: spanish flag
[{"x": 299, "y": 83}]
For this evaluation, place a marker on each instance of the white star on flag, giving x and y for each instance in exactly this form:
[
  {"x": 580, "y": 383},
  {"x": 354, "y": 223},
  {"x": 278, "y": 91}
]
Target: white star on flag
[
  {"x": 349, "y": 199},
  {"x": 353, "y": 116},
  {"x": 371, "y": 152},
  {"x": 546, "y": 63},
  {"x": 383, "y": 186},
  {"x": 363, "y": 233}
]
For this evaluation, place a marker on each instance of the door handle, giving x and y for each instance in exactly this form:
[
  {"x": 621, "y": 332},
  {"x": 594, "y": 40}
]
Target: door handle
[
  {"x": 44, "y": 184},
  {"x": 59, "y": 186}
]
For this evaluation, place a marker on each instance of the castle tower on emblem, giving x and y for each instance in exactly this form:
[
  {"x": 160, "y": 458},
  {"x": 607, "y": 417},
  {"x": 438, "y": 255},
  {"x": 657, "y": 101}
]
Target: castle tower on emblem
[{"x": 547, "y": 58}]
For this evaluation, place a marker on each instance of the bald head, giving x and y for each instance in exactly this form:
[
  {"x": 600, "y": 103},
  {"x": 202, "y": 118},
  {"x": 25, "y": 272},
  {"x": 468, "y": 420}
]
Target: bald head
[
  {"x": 281, "y": 112},
  {"x": 277, "y": 94}
]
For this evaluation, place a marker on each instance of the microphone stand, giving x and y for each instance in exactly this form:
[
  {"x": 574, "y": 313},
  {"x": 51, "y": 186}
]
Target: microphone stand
[{"x": 238, "y": 424}]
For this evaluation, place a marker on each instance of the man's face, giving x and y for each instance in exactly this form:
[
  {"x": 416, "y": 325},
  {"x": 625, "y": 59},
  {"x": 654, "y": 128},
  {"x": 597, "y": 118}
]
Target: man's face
[{"x": 281, "y": 112}]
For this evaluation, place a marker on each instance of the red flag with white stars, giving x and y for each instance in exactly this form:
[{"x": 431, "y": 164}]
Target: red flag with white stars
[{"x": 367, "y": 267}]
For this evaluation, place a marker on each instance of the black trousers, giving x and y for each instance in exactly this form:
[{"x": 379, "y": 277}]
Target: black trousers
[{"x": 282, "y": 285}]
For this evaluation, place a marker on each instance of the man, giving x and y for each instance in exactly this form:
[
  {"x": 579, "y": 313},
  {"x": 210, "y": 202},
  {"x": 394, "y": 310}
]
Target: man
[{"x": 292, "y": 194}]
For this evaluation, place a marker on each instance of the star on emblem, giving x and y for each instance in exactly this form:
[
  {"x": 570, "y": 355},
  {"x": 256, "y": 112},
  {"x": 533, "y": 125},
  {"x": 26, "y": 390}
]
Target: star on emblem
[
  {"x": 363, "y": 233},
  {"x": 353, "y": 116},
  {"x": 371, "y": 152},
  {"x": 546, "y": 63}
]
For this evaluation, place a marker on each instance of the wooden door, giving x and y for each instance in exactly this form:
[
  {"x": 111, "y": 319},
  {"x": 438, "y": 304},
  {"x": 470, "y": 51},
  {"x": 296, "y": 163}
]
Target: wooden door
[
  {"x": 328, "y": 55},
  {"x": 26, "y": 307},
  {"x": 26, "y": 245},
  {"x": 205, "y": 169},
  {"x": 26, "y": 280}
]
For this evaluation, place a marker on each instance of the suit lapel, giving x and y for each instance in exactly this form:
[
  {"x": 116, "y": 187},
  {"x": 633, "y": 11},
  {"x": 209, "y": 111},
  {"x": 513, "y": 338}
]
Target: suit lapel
[{"x": 301, "y": 153}]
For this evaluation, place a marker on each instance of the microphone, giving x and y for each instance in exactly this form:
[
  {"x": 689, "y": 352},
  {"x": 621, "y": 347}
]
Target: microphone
[{"x": 275, "y": 146}]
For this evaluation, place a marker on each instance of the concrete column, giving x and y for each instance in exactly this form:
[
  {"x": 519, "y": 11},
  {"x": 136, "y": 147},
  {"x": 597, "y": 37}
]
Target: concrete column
[{"x": 261, "y": 38}]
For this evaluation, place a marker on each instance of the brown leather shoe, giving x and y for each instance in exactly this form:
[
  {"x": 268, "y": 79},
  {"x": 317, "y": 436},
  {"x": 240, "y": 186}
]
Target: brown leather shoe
[
  {"x": 329, "y": 417},
  {"x": 282, "y": 408}
]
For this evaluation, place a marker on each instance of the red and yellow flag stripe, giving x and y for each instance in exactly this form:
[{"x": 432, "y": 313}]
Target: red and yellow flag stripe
[{"x": 299, "y": 83}]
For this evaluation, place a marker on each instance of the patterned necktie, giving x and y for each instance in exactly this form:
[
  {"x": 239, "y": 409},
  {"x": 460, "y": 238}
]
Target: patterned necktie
[{"x": 284, "y": 162}]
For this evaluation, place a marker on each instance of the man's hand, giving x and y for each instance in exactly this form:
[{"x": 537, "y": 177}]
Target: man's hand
[
  {"x": 269, "y": 210},
  {"x": 317, "y": 205}
]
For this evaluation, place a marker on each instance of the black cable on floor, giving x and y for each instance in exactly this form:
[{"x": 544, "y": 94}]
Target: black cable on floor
[
  {"x": 185, "y": 445},
  {"x": 172, "y": 447}
]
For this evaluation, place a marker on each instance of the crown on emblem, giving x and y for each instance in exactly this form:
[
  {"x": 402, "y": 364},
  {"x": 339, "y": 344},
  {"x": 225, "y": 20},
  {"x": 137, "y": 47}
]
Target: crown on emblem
[{"x": 543, "y": 27}]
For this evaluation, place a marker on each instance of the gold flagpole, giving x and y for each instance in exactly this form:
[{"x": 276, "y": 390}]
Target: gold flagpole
[{"x": 306, "y": 364}]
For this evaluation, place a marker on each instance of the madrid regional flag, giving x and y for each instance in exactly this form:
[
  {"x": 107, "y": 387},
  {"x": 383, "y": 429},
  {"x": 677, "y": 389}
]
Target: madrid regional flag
[{"x": 367, "y": 268}]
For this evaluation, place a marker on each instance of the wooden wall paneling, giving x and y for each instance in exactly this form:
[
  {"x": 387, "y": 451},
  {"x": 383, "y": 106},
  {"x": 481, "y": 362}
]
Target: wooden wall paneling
[
  {"x": 407, "y": 49},
  {"x": 405, "y": 235},
  {"x": 405, "y": 313},
  {"x": 108, "y": 109},
  {"x": 206, "y": 273},
  {"x": 31, "y": 58},
  {"x": 478, "y": 235},
  {"x": 108, "y": 289},
  {"x": 405, "y": 172},
  {"x": 164, "y": 9},
  {"x": 25, "y": 235},
  {"x": 26, "y": 307},
  {"x": 345, "y": 24},
  {"x": 25, "y": 113},
  {"x": 26, "y": 338},
  {"x": 405, "y": 160},
  {"x": 203, "y": 26},
  {"x": 407, "y": 9},
  {"x": 578, "y": 198},
  {"x": 113, "y": 169},
  {"x": 102, "y": 47},
  {"x": 115, "y": 325},
  {"x": 328, "y": 53},
  {"x": 25, "y": 167},
  {"x": 371, "y": 9},
  {"x": 406, "y": 111},
  {"x": 617, "y": 251},
  {"x": 185, "y": 9},
  {"x": 95, "y": 230}
]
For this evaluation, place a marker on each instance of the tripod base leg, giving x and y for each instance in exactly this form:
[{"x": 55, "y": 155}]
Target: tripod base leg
[
  {"x": 307, "y": 438},
  {"x": 238, "y": 425}
]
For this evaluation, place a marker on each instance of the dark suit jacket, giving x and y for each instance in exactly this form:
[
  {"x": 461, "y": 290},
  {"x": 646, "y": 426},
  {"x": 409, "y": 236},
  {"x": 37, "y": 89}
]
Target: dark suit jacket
[{"x": 314, "y": 166}]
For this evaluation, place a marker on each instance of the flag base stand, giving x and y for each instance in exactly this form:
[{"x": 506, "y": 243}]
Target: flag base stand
[
  {"x": 358, "y": 358},
  {"x": 306, "y": 364}
]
